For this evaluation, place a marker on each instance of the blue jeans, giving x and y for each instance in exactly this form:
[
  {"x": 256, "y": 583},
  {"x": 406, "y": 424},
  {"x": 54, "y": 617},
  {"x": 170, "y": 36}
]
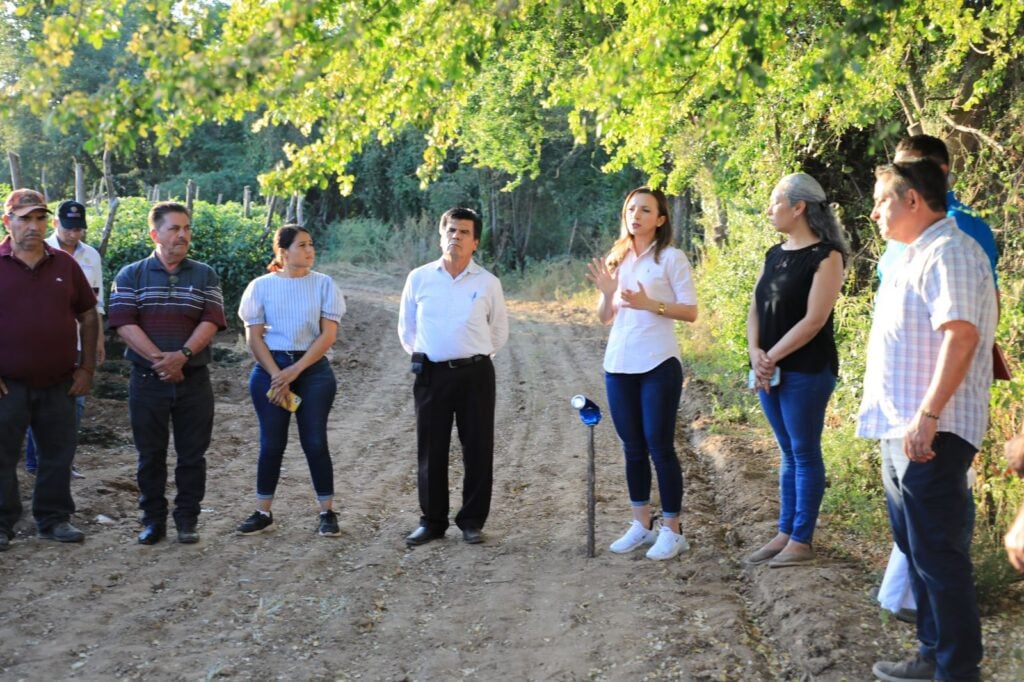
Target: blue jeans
[
  {"x": 317, "y": 387},
  {"x": 51, "y": 411},
  {"x": 796, "y": 411},
  {"x": 153, "y": 405},
  {"x": 643, "y": 408},
  {"x": 928, "y": 510},
  {"x": 31, "y": 464}
]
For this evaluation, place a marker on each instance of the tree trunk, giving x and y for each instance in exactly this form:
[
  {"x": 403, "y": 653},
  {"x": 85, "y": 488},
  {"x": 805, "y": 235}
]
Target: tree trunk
[
  {"x": 190, "y": 189},
  {"x": 42, "y": 185},
  {"x": 269, "y": 224},
  {"x": 300, "y": 214},
  {"x": 247, "y": 202},
  {"x": 109, "y": 226},
  {"x": 15, "y": 162},
  {"x": 108, "y": 176},
  {"x": 289, "y": 212}
]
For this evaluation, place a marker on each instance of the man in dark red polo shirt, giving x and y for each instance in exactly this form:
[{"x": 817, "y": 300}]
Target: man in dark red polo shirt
[{"x": 43, "y": 293}]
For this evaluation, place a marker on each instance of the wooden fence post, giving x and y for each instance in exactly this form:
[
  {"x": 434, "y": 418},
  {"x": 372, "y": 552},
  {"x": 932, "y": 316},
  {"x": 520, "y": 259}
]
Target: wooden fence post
[
  {"x": 79, "y": 183},
  {"x": 15, "y": 162},
  {"x": 190, "y": 188}
]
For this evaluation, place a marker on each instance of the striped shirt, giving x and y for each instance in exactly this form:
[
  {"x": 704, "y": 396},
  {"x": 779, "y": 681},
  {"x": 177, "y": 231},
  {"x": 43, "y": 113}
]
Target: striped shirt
[
  {"x": 290, "y": 308},
  {"x": 641, "y": 340},
  {"x": 941, "y": 277},
  {"x": 167, "y": 306}
]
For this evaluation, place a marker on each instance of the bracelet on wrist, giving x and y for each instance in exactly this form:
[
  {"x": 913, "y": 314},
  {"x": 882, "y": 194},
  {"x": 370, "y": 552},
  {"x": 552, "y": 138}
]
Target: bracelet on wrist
[
  {"x": 661, "y": 308},
  {"x": 929, "y": 415}
]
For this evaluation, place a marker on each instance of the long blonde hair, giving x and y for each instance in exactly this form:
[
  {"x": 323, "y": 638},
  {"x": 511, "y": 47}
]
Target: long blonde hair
[{"x": 662, "y": 235}]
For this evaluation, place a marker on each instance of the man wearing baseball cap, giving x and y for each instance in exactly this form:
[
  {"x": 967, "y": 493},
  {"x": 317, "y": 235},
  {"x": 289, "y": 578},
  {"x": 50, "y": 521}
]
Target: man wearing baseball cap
[
  {"x": 68, "y": 235},
  {"x": 44, "y": 296}
]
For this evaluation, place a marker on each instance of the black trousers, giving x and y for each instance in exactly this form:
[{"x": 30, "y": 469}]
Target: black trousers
[
  {"x": 466, "y": 393},
  {"x": 154, "y": 406},
  {"x": 51, "y": 414}
]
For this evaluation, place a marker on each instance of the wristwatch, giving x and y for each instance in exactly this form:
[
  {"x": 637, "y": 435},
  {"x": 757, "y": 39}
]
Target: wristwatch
[{"x": 187, "y": 352}]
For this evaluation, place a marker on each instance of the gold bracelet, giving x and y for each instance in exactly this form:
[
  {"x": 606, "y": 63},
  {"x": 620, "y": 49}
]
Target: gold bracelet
[
  {"x": 661, "y": 308},
  {"x": 930, "y": 415}
]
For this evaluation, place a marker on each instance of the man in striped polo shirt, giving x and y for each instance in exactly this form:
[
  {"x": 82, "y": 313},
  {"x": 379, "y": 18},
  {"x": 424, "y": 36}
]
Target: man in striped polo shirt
[{"x": 167, "y": 309}]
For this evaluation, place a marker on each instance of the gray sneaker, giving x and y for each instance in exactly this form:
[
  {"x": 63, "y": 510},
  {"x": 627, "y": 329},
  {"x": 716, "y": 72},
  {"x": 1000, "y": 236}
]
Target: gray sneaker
[
  {"x": 916, "y": 668},
  {"x": 61, "y": 532}
]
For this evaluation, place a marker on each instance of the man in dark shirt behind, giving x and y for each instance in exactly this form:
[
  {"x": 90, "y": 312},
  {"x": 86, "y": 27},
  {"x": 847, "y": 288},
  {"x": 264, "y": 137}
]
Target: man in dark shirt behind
[
  {"x": 43, "y": 294},
  {"x": 167, "y": 309}
]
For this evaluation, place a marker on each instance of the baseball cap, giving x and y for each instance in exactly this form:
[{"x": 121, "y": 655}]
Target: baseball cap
[
  {"x": 21, "y": 202},
  {"x": 71, "y": 215}
]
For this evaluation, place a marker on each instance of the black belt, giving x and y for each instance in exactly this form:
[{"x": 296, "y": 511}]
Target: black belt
[{"x": 461, "y": 362}]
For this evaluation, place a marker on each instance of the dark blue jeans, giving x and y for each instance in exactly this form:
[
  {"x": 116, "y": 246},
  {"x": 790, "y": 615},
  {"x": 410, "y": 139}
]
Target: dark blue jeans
[
  {"x": 317, "y": 387},
  {"x": 153, "y": 406},
  {"x": 643, "y": 408},
  {"x": 31, "y": 464},
  {"x": 929, "y": 513},
  {"x": 796, "y": 411},
  {"x": 51, "y": 413}
]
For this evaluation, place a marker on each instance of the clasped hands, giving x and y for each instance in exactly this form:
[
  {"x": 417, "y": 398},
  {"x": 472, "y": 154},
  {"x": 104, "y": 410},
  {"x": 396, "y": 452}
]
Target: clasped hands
[
  {"x": 169, "y": 366},
  {"x": 764, "y": 367},
  {"x": 280, "y": 385}
]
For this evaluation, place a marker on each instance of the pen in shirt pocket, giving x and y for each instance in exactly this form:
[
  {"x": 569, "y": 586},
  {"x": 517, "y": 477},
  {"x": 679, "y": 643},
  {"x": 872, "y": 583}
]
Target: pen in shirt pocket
[{"x": 473, "y": 298}]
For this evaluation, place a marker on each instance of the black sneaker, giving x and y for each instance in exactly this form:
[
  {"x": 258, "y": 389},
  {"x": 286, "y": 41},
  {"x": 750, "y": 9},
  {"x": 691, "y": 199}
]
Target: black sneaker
[
  {"x": 61, "y": 532},
  {"x": 329, "y": 524},
  {"x": 256, "y": 523}
]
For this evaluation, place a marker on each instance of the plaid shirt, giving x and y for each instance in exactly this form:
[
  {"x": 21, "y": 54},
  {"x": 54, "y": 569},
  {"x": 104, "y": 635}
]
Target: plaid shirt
[{"x": 941, "y": 277}]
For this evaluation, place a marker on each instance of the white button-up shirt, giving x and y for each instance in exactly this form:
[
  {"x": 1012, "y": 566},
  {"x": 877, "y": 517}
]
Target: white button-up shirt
[
  {"x": 452, "y": 318},
  {"x": 941, "y": 277},
  {"x": 641, "y": 340},
  {"x": 89, "y": 260}
]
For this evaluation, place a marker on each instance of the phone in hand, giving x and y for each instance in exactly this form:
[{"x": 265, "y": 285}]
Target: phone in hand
[
  {"x": 752, "y": 378},
  {"x": 291, "y": 400}
]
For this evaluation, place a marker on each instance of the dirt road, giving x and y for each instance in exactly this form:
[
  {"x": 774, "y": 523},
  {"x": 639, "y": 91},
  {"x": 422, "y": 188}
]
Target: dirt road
[{"x": 526, "y": 605}]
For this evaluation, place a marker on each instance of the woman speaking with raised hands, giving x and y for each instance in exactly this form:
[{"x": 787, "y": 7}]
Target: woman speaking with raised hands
[{"x": 644, "y": 285}]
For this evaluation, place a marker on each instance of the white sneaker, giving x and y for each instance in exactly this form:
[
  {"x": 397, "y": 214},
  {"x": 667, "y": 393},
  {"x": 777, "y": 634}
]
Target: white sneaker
[
  {"x": 635, "y": 536},
  {"x": 669, "y": 545}
]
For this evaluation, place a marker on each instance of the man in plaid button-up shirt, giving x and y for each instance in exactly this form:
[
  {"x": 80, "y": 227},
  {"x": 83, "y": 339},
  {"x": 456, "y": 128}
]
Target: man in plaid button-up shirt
[{"x": 926, "y": 398}]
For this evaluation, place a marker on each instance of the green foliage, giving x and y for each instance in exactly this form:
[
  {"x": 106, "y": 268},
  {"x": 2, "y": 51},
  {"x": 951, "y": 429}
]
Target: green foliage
[
  {"x": 221, "y": 237},
  {"x": 366, "y": 241}
]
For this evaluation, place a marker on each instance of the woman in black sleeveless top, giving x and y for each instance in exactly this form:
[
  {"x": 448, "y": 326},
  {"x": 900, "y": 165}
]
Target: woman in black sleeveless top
[{"x": 789, "y": 334}]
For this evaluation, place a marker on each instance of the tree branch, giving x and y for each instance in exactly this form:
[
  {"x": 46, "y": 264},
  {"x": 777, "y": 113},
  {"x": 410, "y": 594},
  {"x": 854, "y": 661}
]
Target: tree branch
[{"x": 973, "y": 131}]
